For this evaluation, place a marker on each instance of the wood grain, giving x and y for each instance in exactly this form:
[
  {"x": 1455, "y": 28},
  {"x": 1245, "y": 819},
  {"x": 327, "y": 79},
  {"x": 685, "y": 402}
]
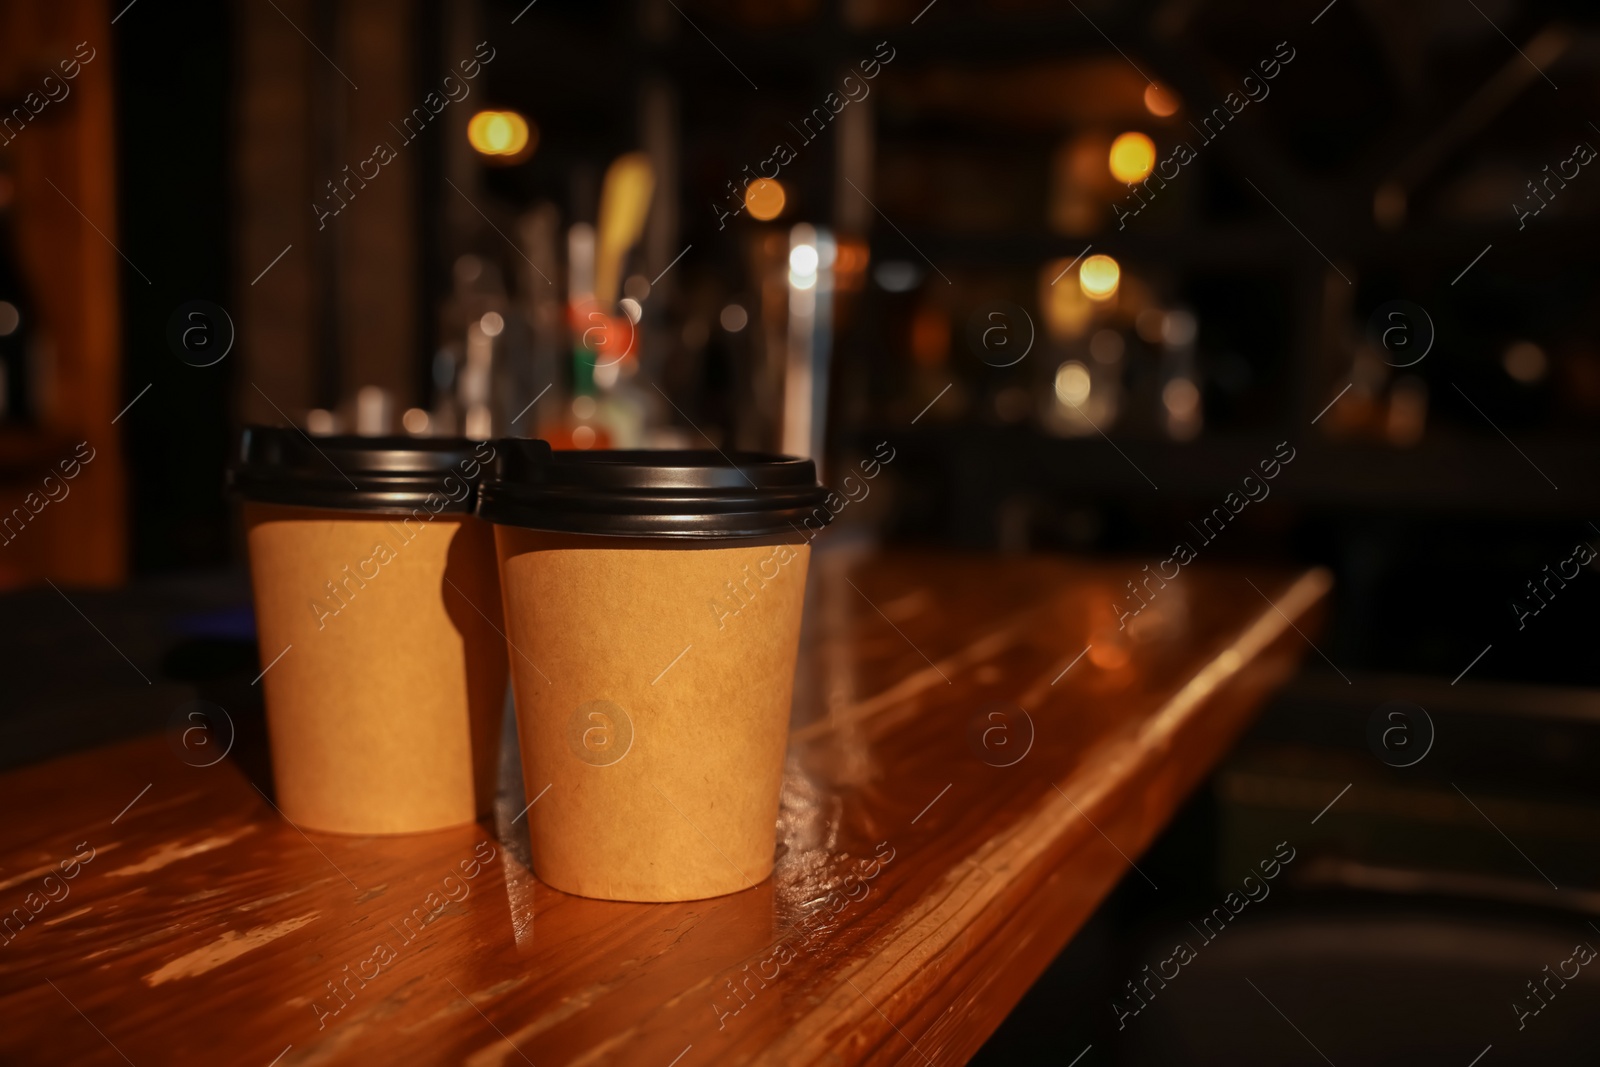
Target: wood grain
[{"x": 919, "y": 888}]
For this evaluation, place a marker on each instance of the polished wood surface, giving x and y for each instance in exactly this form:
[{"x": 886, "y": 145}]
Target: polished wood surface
[{"x": 931, "y": 860}]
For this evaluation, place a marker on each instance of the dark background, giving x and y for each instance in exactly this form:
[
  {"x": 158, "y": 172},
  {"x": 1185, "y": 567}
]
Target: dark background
[{"x": 1409, "y": 921}]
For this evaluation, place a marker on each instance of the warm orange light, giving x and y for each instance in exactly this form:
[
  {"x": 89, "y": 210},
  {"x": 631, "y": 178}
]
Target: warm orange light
[
  {"x": 1067, "y": 312},
  {"x": 764, "y": 199},
  {"x": 930, "y": 336},
  {"x": 502, "y": 136},
  {"x": 1158, "y": 101},
  {"x": 1111, "y": 655},
  {"x": 850, "y": 264},
  {"x": 1098, "y": 277},
  {"x": 1525, "y": 361},
  {"x": 1132, "y": 157},
  {"x": 851, "y": 257}
]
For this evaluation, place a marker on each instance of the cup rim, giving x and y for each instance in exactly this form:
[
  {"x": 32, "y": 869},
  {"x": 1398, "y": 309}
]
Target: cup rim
[
  {"x": 703, "y": 494},
  {"x": 396, "y": 474}
]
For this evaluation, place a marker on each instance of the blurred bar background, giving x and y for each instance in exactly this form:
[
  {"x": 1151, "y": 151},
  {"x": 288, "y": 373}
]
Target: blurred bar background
[{"x": 1083, "y": 268}]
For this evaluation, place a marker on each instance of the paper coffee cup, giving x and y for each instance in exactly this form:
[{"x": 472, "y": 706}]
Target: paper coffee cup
[
  {"x": 653, "y": 605},
  {"x": 379, "y": 624}
]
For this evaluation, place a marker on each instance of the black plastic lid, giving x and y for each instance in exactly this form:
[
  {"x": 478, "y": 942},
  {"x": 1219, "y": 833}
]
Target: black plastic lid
[
  {"x": 652, "y": 493},
  {"x": 281, "y": 465}
]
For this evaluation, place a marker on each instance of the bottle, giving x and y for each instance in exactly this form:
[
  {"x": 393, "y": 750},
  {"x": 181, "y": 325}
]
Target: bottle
[{"x": 18, "y": 327}]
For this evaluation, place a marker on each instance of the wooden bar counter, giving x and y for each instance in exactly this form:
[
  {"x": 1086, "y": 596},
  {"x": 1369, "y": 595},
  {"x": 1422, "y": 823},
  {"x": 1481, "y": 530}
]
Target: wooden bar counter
[{"x": 977, "y": 755}]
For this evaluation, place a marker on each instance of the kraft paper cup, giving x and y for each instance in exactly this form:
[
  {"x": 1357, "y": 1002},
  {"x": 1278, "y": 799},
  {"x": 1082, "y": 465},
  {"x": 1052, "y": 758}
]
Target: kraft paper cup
[
  {"x": 653, "y": 604},
  {"x": 379, "y": 624}
]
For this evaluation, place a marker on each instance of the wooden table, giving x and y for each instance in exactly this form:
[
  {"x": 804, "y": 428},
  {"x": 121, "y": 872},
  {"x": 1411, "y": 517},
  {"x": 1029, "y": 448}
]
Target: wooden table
[{"x": 978, "y": 753}]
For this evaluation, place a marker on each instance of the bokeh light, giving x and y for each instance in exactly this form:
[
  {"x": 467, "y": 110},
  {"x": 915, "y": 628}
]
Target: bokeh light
[
  {"x": 501, "y": 136},
  {"x": 1159, "y": 101},
  {"x": 1133, "y": 155},
  {"x": 416, "y": 421},
  {"x": 1072, "y": 382},
  {"x": 764, "y": 199},
  {"x": 1525, "y": 361},
  {"x": 1181, "y": 397},
  {"x": 1098, "y": 277},
  {"x": 803, "y": 259}
]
